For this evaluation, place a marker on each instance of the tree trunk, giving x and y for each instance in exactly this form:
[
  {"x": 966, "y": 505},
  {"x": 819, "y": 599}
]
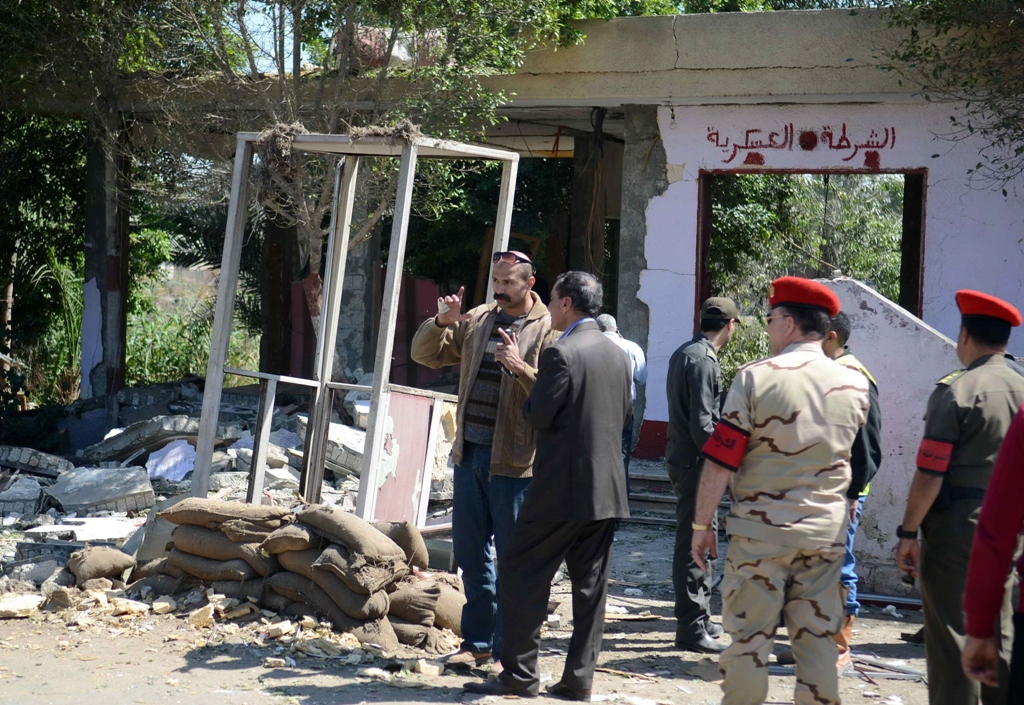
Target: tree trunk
[{"x": 7, "y": 303}]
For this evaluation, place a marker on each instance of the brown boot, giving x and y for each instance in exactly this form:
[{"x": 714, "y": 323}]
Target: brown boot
[{"x": 843, "y": 638}]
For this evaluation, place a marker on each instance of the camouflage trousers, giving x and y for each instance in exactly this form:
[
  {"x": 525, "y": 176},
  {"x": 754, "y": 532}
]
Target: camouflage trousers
[{"x": 763, "y": 580}]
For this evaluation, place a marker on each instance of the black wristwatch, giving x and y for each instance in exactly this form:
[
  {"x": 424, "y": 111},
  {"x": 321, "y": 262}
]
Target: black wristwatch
[{"x": 901, "y": 534}]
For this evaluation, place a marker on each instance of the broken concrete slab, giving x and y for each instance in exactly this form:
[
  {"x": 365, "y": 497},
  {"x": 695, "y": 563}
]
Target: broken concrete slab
[
  {"x": 277, "y": 457},
  {"x": 172, "y": 462},
  {"x": 344, "y": 446},
  {"x": 34, "y": 462},
  {"x": 237, "y": 482},
  {"x": 353, "y": 397},
  {"x": 36, "y": 573},
  {"x": 16, "y": 606},
  {"x": 21, "y": 498},
  {"x": 84, "y": 490},
  {"x": 110, "y": 529},
  {"x": 154, "y": 434}
]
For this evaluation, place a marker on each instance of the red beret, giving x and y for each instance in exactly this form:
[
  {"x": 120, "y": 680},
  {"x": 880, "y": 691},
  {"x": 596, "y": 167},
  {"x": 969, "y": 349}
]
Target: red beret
[
  {"x": 975, "y": 303},
  {"x": 804, "y": 292}
]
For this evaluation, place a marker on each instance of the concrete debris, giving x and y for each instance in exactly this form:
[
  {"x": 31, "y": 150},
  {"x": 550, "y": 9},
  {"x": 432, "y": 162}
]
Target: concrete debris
[
  {"x": 16, "y": 606},
  {"x": 275, "y": 631},
  {"x": 202, "y": 617},
  {"x": 36, "y": 573},
  {"x": 281, "y": 479},
  {"x": 31, "y": 521},
  {"x": 633, "y": 592},
  {"x": 172, "y": 462},
  {"x": 34, "y": 462},
  {"x": 154, "y": 434},
  {"x": 22, "y": 497},
  {"x": 237, "y": 482},
  {"x": 164, "y": 605},
  {"x": 96, "y": 529},
  {"x": 125, "y": 606},
  {"x": 427, "y": 668},
  {"x": 87, "y": 490},
  {"x": 344, "y": 446},
  {"x": 274, "y": 662},
  {"x": 357, "y": 403}
]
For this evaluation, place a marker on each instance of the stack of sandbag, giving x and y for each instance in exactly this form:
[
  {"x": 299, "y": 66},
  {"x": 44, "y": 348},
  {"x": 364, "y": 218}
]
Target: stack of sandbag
[
  {"x": 421, "y": 607},
  {"x": 322, "y": 562},
  {"x": 216, "y": 542},
  {"x": 340, "y": 566}
]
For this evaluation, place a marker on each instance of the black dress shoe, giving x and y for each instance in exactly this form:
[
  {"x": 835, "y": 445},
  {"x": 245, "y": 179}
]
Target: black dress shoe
[
  {"x": 715, "y": 629},
  {"x": 704, "y": 645},
  {"x": 499, "y": 686},
  {"x": 561, "y": 690}
]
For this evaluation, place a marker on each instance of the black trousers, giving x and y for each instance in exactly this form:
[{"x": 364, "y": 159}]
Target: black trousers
[
  {"x": 1016, "y": 694},
  {"x": 532, "y": 558},
  {"x": 692, "y": 585}
]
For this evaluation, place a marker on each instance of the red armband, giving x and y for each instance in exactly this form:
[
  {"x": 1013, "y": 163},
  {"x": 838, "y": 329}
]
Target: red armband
[
  {"x": 933, "y": 456},
  {"x": 727, "y": 445}
]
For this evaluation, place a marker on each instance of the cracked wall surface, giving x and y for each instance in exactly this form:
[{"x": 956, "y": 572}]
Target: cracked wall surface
[{"x": 973, "y": 236}]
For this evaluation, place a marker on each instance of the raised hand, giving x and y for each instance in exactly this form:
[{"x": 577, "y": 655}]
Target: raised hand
[
  {"x": 449, "y": 309},
  {"x": 507, "y": 352}
]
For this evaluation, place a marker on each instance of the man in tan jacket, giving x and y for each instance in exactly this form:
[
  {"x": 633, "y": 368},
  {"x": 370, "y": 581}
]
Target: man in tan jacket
[{"x": 498, "y": 346}]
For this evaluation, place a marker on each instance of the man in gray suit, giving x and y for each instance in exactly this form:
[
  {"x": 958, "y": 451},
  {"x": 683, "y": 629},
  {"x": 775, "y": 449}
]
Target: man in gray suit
[{"x": 579, "y": 405}]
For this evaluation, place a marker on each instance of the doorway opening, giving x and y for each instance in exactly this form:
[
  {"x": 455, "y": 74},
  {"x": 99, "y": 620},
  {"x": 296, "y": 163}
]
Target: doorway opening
[{"x": 754, "y": 227}]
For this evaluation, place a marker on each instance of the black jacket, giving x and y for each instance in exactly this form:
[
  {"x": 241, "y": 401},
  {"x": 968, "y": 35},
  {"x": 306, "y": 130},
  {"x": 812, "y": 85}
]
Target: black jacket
[
  {"x": 579, "y": 405},
  {"x": 694, "y": 387}
]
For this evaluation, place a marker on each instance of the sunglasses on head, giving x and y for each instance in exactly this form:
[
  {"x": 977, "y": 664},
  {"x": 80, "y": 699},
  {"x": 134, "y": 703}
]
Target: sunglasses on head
[{"x": 510, "y": 258}]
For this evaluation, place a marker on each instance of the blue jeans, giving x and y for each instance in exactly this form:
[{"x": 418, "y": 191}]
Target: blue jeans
[
  {"x": 849, "y": 577},
  {"x": 483, "y": 507}
]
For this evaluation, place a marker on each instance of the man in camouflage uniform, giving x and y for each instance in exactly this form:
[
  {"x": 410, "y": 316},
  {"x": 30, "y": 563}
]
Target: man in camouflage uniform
[
  {"x": 784, "y": 441},
  {"x": 968, "y": 415}
]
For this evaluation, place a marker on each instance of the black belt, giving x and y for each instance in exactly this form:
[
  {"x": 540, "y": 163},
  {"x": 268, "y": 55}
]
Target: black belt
[{"x": 956, "y": 493}]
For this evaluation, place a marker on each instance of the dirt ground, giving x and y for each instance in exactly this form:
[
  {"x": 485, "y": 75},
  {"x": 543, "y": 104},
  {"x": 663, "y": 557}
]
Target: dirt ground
[{"x": 161, "y": 659}]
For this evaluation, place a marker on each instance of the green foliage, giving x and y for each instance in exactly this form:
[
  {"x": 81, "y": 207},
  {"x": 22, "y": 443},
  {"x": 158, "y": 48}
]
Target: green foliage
[
  {"x": 968, "y": 52},
  {"x": 164, "y": 346},
  {"x": 767, "y": 226}
]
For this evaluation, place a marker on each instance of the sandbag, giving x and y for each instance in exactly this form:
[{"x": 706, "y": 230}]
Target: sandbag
[
  {"x": 351, "y": 603},
  {"x": 208, "y": 543},
  {"x": 299, "y": 589},
  {"x": 298, "y": 610},
  {"x": 97, "y": 584},
  {"x": 415, "y": 603},
  {"x": 426, "y": 638},
  {"x": 449, "y": 579},
  {"x": 448, "y": 611},
  {"x": 245, "y": 531},
  {"x": 239, "y": 589},
  {"x": 279, "y": 603},
  {"x": 299, "y": 562},
  {"x": 409, "y": 539},
  {"x": 361, "y": 538},
  {"x": 360, "y": 576},
  {"x": 172, "y": 570},
  {"x": 147, "y": 569},
  {"x": 162, "y": 584},
  {"x": 99, "y": 562},
  {"x": 210, "y": 570},
  {"x": 379, "y": 633},
  {"x": 209, "y": 513},
  {"x": 291, "y": 537}
]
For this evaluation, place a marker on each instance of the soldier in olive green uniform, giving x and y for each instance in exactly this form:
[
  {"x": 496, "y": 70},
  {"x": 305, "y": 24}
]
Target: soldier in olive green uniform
[
  {"x": 968, "y": 414},
  {"x": 784, "y": 440},
  {"x": 694, "y": 388}
]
